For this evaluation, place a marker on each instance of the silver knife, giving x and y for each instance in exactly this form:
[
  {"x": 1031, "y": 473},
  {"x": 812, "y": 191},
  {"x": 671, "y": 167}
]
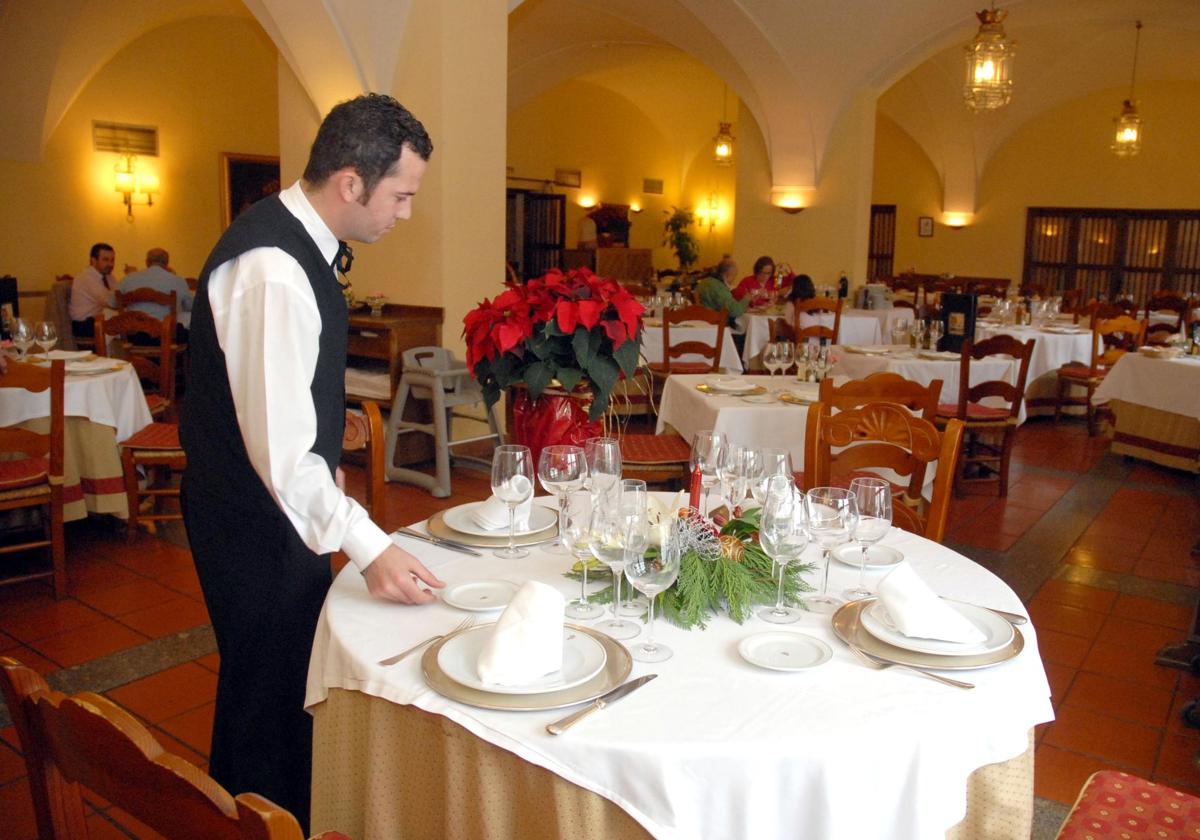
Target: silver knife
[
  {"x": 561, "y": 726},
  {"x": 438, "y": 541},
  {"x": 1010, "y": 617}
]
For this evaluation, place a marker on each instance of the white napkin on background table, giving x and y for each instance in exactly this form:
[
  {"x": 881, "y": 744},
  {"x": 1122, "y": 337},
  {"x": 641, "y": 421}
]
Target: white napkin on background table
[
  {"x": 527, "y": 642},
  {"x": 89, "y": 365},
  {"x": 69, "y": 354},
  {"x": 918, "y": 612},
  {"x": 493, "y": 514}
]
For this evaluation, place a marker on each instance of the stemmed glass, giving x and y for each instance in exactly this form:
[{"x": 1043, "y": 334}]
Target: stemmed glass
[
  {"x": 562, "y": 469},
  {"x": 770, "y": 358},
  {"x": 706, "y": 454},
  {"x": 45, "y": 336},
  {"x": 782, "y": 536},
  {"x": 832, "y": 516},
  {"x": 935, "y": 333},
  {"x": 613, "y": 528},
  {"x": 22, "y": 336},
  {"x": 873, "y": 497},
  {"x": 787, "y": 356},
  {"x": 603, "y": 456},
  {"x": 900, "y": 331},
  {"x": 634, "y": 497},
  {"x": 730, "y": 471},
  {"x": 652, "y": 575},
  {"x": 820, "y": 362},
  {"x": 574, "y": 524},
  {"x": 512, "y": 483},
  {"x": 773, "y": 462}
]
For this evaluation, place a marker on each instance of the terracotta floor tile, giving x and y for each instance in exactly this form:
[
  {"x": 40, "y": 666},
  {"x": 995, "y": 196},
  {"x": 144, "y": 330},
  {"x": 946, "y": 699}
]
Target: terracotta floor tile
[
  {"x": 1008, "y": 517},
  {"x": 1129, "y": 663},
  {"x": 1060, "y": 678},
  {"x": 1154, "y": 474},
  {"x": 97, "y": 577},
  {"x": 1177, "y": 763},
  {"x": 182, "y": 579},
  {"x": 1153, "y": 611},
  {"x": 193, "y": 727},
  {"x": 87, "y": 643},
  {"x": 30, "y": 658},
  {"x": 1111, "y": 546},
  {"x": 1167, "y": 571},
  {"x": 168, "y": 617},
  {"x": 173, "y": 745},
  {"x": 1120, "y": 563},
  {"x": 19, "y": 822},
  {"x": 988, "y": 538},
  {"x": 1032, "y": 493},
  {"x": 1059, "y": 774},
  {"x": 1123, "y": 699},
  {"x": 12, "y": 766},
  {"x": 1077, "y": 595},
  {"x": 1136, "y": 497},
  {"x": 1126, "y": 526},
  {"x": 167, "y": 693},
  {"x": 963, "y": 508},
  {"x": 42, "y": 620},
  {"x": 1139, "y": 635},
  {"x": 129, "y": 597},
  {"x": 1105, "y": 737},
  {"x": 1062, "y": 648},
  {"x": 212, "y": 662},
  {"x": 1065, "y": 619}
]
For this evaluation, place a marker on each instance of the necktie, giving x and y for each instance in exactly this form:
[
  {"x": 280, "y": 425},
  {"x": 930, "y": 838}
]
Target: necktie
[{"x": 344, "y": 258}]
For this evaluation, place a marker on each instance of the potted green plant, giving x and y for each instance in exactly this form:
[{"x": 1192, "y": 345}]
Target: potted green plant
[{"x": 681, "y": 240}]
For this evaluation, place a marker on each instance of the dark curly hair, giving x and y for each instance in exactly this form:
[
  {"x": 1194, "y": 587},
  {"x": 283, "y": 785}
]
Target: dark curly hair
[
  {"x": 366, "y": 133},
  {"x": 802, "y": 288},
  {"x": 763, "y": 262}
]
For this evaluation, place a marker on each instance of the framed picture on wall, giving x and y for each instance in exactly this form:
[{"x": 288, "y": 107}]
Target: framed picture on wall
[
  {"x": 245, "y": 179},
  {"x": 925, "y": 226}
]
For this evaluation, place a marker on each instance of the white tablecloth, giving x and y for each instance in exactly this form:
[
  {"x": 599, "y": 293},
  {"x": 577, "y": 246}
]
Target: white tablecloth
[
  {"x": 1050, "y": 352},
  {"x": 716, "y": 748},
  {"x": 111, "y": 399},
  {"x": 652, "y": 345},
  {"x": 859, "y": 326},
  {"x": 1171, "y": 385}
]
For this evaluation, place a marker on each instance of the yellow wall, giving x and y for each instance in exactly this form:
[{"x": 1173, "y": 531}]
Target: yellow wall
[
  {"x": 1060, "y": 158},
  {"x": 208, "y": 85}
]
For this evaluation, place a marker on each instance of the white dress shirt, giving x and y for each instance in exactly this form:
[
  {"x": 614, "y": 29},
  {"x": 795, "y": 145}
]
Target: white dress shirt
[
  {"x": 89, "y": 295},
  {"x": 268, "y": 326}
]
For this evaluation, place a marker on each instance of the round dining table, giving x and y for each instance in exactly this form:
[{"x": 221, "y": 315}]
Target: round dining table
[{"x": 714, "y": 747}]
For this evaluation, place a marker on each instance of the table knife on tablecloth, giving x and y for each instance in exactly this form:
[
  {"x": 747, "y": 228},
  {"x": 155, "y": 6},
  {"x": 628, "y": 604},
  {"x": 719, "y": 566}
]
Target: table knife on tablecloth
[
  {"x": 438, "y": 541},
  {"x": 561, "y": 726}
]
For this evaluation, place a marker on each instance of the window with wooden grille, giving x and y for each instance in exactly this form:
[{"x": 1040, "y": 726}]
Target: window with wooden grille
[
  {"x": 882, "y": 249},
  {"x": 1112, "y": 253}
]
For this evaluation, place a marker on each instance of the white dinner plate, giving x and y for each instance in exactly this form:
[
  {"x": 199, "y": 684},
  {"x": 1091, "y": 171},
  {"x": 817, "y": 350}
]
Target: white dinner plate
[
  {"x": 460, "y": 519},
  {"x": 869, "y": 350},
  {"x": 729, "y": 384},
  {"x": 939, "y": 355},
  {"x": 480, "y": 595},
  {"x": 1064, "y": 330},
  {"x": 779, "y": 650},
  {"x": 761, "y": 398},
  {"x": 94, "y": 368},
  {"x": 878, "y": 556},
  {"x": 583, "y": 657},
  {"x": 999, "y": 633}
]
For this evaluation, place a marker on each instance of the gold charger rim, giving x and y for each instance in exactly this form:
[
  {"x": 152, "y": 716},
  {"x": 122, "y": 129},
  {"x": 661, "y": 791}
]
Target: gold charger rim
[
  {"x": 618, "y": 663},
  {"x": 848, "y": 628},
  {"x": 753, "y": 391},
  {"x": 789, "y": 397},
  {"x": 437, "y": 527}
]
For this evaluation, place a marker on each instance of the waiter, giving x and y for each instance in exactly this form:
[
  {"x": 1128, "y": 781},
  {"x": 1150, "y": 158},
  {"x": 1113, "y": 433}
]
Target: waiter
[{"x": 262, "y": 427}]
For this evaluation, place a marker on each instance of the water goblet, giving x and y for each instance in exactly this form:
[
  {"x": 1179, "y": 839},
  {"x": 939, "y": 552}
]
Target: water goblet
[
  {"x": 512, "y": 483},
  {"x": 651, "y": 575},
  {"x": 608, "y": 535},
  {"x": 900, "y": 331},
  {"x": 633, "y": 505},
  {"x": 603, "y": 457},
  {"x": 574, "y": 523},
  {"x": 773, "y": 462},
  {"x": 706, "y": 454},
  {"x": 729, "y": 471},
  {"x": 832, "y": 515},
  {"x": 781, "y": 535},
  {"x": 916, "y": 334},
  {"x": 873, "y": 497},
  {"x": 45, "y": 337},
  {"x": 562, "y": 469},
  {"x": 787, "y": 356},
  {"x": 935, "y": 333},
  {"x": 770, "y": 358},
  {"x": 22, "y": 336}
]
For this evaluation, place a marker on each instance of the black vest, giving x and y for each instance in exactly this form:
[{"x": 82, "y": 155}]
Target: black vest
[{"x": 218, "y": 465}]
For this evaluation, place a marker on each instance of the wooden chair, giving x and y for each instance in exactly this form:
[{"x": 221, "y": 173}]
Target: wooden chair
[
  {"x": 672, "y": 351},
  {"x": 125, "y": 300},
  {"x": 154, "y": 365},
  {"x": 1116, "y": 804},
  {"x": 157, "y": 451},
  {"x": 655, "y": 458},
  {"x": 988, "y": 430},
  {"x": 72, "y": 742},
  {"x": 780, "y": 330},
  {"x": 1111, "y": 339},
  {"x": 885, "y": 435},
  {"x": 364, "y": 433},
  {"x": 31, "y": 471},
  {"x": 814, "y": 306},
  {"x": 1167, "y": 300}
]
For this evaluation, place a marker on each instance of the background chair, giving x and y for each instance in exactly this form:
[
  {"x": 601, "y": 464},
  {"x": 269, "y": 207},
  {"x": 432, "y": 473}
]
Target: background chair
[
  {"x": 435, "y": 375},
  {"x": 364, "y": 433},
  {"x": 655, "y": 459},
  {"x": 1111, "y": 339},
  {"x": 1116, "y": 804},
  {"x": 674, "y": 350},
  {"x": 154, "y": 364},
  {"x": 155, "y": 450},
  {"x": 1167, "y": 300},
  {"x": 127, "y": 300},
  {"x": 883, "y": 435},
  {"x": 988, "y": 429},
  {"x": 31, "y": 471},
  {"x": 780, "y": 330},
  {"x": 815, "y": 307},
  {"x": 58, "y": 313},
  {"x": 85, "y": 740}
]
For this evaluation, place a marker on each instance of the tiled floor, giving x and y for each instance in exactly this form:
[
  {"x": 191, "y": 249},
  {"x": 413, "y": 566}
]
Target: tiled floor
[{"x": 1099, "y": 547}]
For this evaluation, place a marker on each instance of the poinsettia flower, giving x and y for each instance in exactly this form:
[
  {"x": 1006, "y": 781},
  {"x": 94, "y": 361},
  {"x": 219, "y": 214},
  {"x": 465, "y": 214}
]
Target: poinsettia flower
[
  {"x": 567, "y": 314},
  {"x": 589, "y": 312},
  {"x": 616, "y": 331}
]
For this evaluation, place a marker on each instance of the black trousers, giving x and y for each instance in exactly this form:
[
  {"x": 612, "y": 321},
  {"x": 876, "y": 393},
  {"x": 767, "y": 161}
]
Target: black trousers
[{"x": 264, "y": 590}]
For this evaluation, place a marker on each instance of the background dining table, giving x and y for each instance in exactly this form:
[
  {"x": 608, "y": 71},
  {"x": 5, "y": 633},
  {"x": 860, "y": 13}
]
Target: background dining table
[
  {"x": 1157, "y": 407},
  {"x": 101, "y": 409},
  {"x": 858, "y": 326},
  {"x": 652, "y": 344},
  {"x": 1054, "y": 346},
  {"x": 715, "y": 747}
]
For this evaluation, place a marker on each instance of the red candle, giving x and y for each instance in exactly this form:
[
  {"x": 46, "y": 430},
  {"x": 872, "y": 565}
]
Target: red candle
[{"x": 694, "y": 490}]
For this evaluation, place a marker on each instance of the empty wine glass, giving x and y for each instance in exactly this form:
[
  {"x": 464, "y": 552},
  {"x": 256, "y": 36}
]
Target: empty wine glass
[
  {"x": 782, "y": 536},
  {"x": 45, "y": 336},
  {"x": 706, "y": 454},
  {"x": 574, "y": 524},
  {"x": 916, "y": 334},
  {"x": 770, "y": 358},
  {"x": 730, "y": 471},
  {"x": 820, "y": 362},
  {"x": 512, "y": 483},
  {"x": 633, "y": 504},
  {"x": 562, "y": 469},
  {"x": 603, "y": 456},
  {"x": 787, "y": 356},
  {"x": 22, "y": 336},
  {"x": 900, "y": 331},
  {"x": 608, "y": 535},
  {"x": 832, "y": 515},
  {"x": 873, "y": 497},
  {"x": 935, "y": 333},
  {"x": 773, "y": 462},
  {"x": 652, "y": 575}
]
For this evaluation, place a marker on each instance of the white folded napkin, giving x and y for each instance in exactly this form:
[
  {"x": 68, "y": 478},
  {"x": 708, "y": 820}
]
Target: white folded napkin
[
  {"x": 527, "y": 642},
  {"x": 492, "y": 514},
  {"x": 662, "y": 515},
  {"x": 69, "y": 354},
  {"x": 89, "y": 365},
  {"x": 917, "y": 611},
  {"x": 728, "y": 383}
]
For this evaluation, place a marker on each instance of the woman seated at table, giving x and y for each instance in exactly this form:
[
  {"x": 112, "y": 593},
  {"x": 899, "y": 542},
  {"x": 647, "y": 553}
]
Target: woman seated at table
[
  {"x": 758, "y": 288},
  {"x": 802, "y": 289}
]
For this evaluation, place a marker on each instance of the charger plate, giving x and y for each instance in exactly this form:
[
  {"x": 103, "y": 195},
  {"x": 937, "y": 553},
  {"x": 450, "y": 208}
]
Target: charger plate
[
  {"x": 794, "y": 399},
  {"x": 617, "y": 665},
  {"x": 437, "y": 527},
  {"x": 705, "y": 388},
  {"x": 848, "y": 628}
]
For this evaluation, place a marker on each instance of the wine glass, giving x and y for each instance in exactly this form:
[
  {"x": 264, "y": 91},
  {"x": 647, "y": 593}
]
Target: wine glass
[
  {"x": 706, "y": 454},
  {"x": 781, "y": 534},
  {"x": 652, "y": 575},
  {"x": 832, "y": 515},
  {"x": 45, "y": 336},
  {"x": 574, "y": 524},
  {"x": 873, "y": 496},
  {"x": 820, "y": 362},
  {"x": 608, "y": 533},
  {"x": 730, "y": 471},
  {"x": 935, "y": 333},
  {"x": 603, "y": 456},
  {"x": 512, "y": 483},
  {"x": 562, "y": 469},
  {"x": 770, "y": 358},
  {"x": 900, "y": 331},
  {"x": 633, "y": 503},
  {"x": 773, "y": 462},
  {"x": 916, "y": 334},
  {"x": 22, "y": 336},
  {"x": 787, "y": 356}
]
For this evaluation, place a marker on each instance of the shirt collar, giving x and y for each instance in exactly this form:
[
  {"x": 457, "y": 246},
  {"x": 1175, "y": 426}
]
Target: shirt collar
[{"x": 298, "y": 205}]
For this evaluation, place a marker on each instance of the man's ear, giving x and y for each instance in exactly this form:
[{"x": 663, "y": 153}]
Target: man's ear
[{"x": 349, "y": 184}]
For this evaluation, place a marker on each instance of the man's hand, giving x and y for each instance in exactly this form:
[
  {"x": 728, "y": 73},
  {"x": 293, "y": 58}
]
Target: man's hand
[{"x": 394, "y": 576}]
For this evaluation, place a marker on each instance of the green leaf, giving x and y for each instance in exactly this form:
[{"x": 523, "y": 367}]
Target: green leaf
[
  {"x": 582, "y": 345},
  {"x": 569, "y": 377},
  {"x": 627, "y": 356},
  {"x": 603, "y": 372},
  {"x": 537, "y": 377}
]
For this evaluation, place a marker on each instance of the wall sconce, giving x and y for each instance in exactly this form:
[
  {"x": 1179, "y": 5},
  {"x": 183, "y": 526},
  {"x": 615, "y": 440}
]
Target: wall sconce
[
  {"x": 635, "y": 207},
  {"x": 135, "y": 187},
  {"x": 791, "y": 200},
  {"x": 956, "y": 221},
  {"x": 587, "y": 201},
  {"x": 709, "y": 213}
]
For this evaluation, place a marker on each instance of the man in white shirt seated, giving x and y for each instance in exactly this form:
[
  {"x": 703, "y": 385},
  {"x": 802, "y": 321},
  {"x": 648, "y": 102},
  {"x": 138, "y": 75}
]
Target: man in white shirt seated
[
  {"x": 158, "y": 276},
  {"x": 91, "y": 290}
]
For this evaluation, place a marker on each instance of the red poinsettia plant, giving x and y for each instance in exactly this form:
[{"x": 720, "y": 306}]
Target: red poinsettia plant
[{"x": 576, "y": 328}]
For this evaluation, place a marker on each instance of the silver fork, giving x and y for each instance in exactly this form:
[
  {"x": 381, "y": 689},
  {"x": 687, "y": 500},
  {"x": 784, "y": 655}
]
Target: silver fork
[
  {"x": 876, "y": 662},
  {"x": 465, "y": 624}
]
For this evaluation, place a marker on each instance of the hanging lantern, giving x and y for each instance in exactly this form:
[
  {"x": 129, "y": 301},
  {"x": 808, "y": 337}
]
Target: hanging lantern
[
  {"x": 723, "y": 145},
  {"x": 989, "y": 64},
  {"x": 1128, "y": 139}
]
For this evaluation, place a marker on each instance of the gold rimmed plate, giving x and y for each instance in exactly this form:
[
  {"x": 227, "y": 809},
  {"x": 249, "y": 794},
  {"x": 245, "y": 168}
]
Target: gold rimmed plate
[
  {"x": 848, "y": 627},
  {"x": 617, "y": 665},
  {"x": 753, "y": 390},
  {"x": 795, "y": 399},
  {"x": 437, "y": 527}
]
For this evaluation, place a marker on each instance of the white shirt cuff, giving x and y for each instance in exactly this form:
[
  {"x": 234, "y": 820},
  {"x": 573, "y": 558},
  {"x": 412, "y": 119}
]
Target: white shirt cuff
[{"x": 364, "y": 542}]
